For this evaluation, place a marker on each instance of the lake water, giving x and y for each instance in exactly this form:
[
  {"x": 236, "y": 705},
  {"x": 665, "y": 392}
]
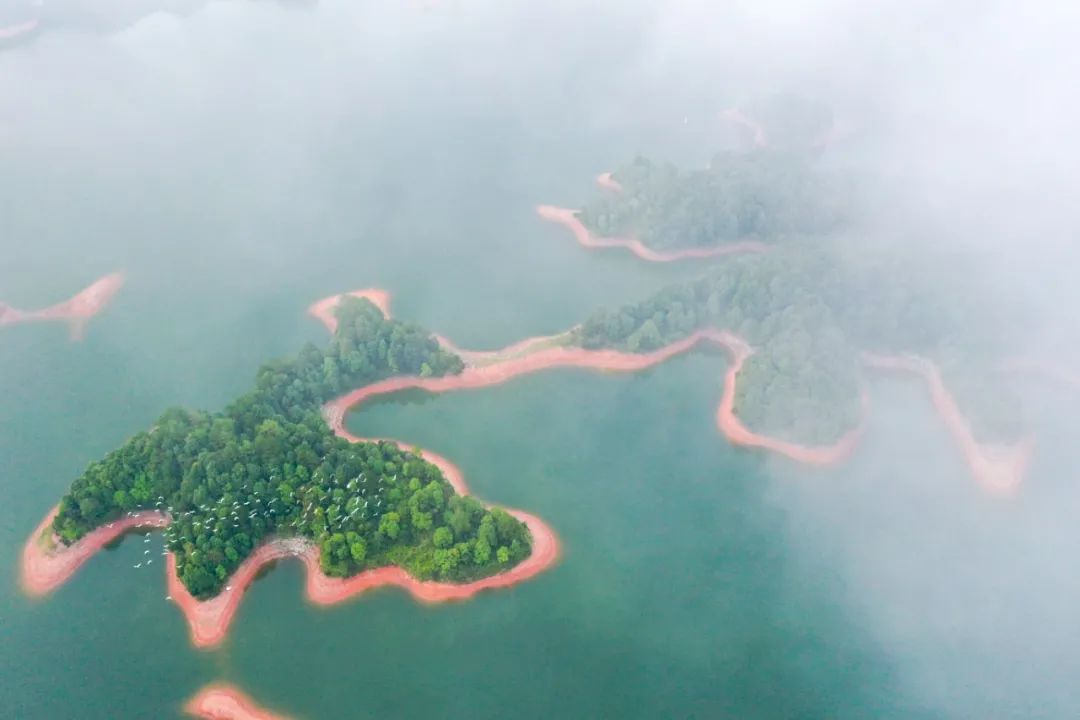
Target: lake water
[{"x": 247, "y": 161}]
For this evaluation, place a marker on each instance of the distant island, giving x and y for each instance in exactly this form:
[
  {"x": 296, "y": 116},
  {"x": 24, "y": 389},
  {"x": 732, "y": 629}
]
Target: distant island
[
  {"x": 269, "y": 466},
  {"x": 76, "y": 311},
  {"x": 803, "y": 317},
  {"x": 221, "y": 701},
  {"x": 810, "y": 340},
  {"x": 741, "y": 202}
]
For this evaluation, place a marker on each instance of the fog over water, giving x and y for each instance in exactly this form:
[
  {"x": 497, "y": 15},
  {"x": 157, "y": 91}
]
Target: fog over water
[{"x": 240, "y": 160}]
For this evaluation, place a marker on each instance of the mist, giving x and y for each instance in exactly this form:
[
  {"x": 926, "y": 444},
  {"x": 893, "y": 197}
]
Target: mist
[{"x": 236, "y": 139}]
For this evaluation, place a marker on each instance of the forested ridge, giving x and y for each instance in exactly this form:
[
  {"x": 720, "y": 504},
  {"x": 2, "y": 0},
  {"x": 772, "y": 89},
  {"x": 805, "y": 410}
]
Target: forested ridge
[
  {"x": 809, "y": 311},
  {"x": 268, "y": 465},
  {"x": 764, "y": 195}
]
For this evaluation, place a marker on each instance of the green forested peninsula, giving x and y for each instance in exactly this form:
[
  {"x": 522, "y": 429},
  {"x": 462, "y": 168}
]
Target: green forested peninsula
[
  {"x": 763, "y": 195},
  {"x": 268, "y": 465},
  {"x": 809, "y": 311}
]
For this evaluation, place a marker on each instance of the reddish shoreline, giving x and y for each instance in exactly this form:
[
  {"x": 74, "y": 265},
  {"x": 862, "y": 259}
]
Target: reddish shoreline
[
  {"x": 227, "y": 702},
  {"x": 998, "y": 468},
  {"x": 76, "y": 311},
  {"x": 608, "y": 360},
  {"x": 323, "y": 310},
  {"x": 608, "y": 182},
  {"x": 44, "y": 570},
  {"x": 585, "y": 238},
  {"x": 209, "y": 620}
]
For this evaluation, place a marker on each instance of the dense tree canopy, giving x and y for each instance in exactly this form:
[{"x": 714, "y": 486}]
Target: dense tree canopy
[
  {"x": 808, "y": 311},
  {"x": 269, "y": 465},
  {"x": 763, "y": 195}
]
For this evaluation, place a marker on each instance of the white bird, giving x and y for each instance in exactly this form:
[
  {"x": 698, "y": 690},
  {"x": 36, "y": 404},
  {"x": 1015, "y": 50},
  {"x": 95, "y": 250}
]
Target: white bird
[
  {"x": 149, "y": 561},
  {"x": 139, "y": 565}
]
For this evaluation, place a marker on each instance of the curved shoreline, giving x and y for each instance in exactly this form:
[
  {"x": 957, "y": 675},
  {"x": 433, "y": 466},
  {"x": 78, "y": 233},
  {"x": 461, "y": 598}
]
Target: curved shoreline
[
  {"x": 585, "y": 238},
  {"x": 608, "y": 182},
  {"x": 606, "y": 360},
  {"x": 75, "y": 311},
  {"x": 998, "y": 468},
  {"x": 221, "y": 701},
  {"x": 45, "y": 568},
  {"x": 323, "y": 310},
  {"x": 209, "y": 620}
]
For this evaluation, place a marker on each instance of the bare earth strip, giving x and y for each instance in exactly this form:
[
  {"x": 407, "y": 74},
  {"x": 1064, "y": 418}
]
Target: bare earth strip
[
  {"x": 225, "y": 702},
  {"x": 76, "y": 312},
  {"x": 585, "y": 238},
  {"x": 46, "y": 565}
]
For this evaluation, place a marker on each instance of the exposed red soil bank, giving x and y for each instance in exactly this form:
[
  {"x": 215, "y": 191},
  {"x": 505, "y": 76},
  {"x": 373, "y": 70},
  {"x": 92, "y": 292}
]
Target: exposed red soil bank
[
  {"x": 608, "y": 182},
  {"x": 45, "y": 567},
  {"x": 76, "y": 312},
  {"x": 209, "y": 620},
  {"x": 610, "y": 360},
  {"x": 586, "y": 239},
  {"x": 225, "y": 702},
  {"x": 998, "y": 468},
  {"x": 323, "y": 310},
  {"x": 46, "y": 564}
]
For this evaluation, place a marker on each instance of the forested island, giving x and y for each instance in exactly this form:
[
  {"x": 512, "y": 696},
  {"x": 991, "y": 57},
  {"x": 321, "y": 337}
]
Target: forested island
[
  {"x": 763, "y": 195},
  {"x": 269, "y": 466},
  {"x": 810, "y": 312}
]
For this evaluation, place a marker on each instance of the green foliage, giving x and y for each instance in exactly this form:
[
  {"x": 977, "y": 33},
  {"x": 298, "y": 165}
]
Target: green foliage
[
  {"x": 762, "y": 195},
  {"x": 808, "y": 312},
  {"x": 269, "y": 466}
]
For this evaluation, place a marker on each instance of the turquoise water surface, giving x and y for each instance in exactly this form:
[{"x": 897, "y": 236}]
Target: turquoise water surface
[{"x": 242, "y": 163}]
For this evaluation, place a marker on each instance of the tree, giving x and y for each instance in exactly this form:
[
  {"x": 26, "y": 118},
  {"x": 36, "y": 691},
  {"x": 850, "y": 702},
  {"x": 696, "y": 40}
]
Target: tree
[
  {"x": 358, "y": 551},
  {"x": 390, "y": 525},
  {"x": 442, "y": 537},
  {"x": 481, "y": 552},
  {"x": 269, "y": 465}
]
